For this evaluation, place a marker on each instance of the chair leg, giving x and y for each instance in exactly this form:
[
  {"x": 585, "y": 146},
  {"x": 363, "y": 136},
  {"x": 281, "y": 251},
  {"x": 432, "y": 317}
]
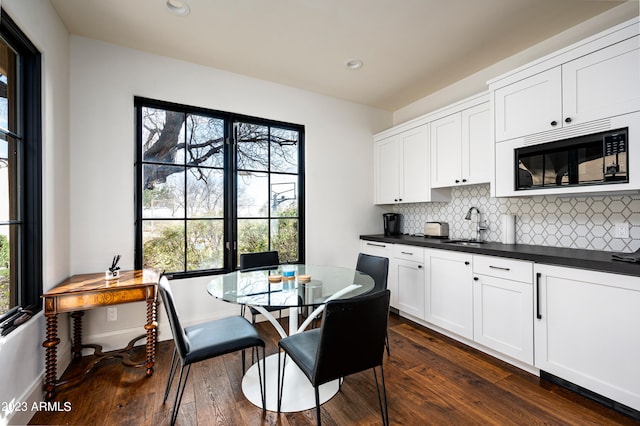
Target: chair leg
[
  {"x": 317, "y": 392},
  {"x": 262, "y": 377},
  {"x": 180, "y": 392},
  {"x": 254, "y": 349},
  {"x": 172, "y": 373},
  {"x": 281, "y": 376},
  {"x": 384, "y": 408},
  {"x": 386, "y": 342}
]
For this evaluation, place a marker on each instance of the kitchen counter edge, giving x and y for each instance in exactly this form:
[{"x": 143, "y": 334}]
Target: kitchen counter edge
[{"x": 594, "y": 260}]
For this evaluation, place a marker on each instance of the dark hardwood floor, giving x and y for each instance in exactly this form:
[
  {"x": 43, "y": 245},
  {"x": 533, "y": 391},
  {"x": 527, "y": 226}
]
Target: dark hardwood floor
[{"x": 431, "y": 380}]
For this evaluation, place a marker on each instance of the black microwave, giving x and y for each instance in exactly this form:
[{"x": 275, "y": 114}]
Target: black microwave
[{"x": 599, "y": 158}]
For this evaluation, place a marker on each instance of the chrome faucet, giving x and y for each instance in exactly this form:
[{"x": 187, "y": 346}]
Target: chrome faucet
[{"x": 480, "y": 225}]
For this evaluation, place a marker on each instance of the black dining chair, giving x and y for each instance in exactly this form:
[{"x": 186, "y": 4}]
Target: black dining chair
[
  {"x": 204, "y": 341},
  {"x": 378, "y": 268},
  {"x": 351, "y": 339},
  {"x": 259, "y": 261}
]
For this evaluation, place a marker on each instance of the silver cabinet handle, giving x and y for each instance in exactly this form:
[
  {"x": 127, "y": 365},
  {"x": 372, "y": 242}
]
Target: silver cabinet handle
[
  {"x": 376, "y": 245},
  {"x": 406, "y": 252}
]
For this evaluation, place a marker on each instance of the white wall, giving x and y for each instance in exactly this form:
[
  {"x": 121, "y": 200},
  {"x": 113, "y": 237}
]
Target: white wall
[
  {"x": 476, "y": 83},
  {"x": 105, "y": 77},
  {"x": 21, "y": 353}
]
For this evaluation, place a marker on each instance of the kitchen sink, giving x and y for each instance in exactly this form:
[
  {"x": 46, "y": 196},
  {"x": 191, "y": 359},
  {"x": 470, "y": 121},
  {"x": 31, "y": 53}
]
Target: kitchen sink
[{"x": 463, "y": 242}]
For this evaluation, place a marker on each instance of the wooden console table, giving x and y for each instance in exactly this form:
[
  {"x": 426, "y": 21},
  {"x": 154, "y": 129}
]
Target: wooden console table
[{"x": 86, "y": 291}]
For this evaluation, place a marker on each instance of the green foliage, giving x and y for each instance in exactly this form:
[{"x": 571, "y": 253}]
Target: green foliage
[
  {"x": 205, "y": 242},
  {"x": 4, "y": 274},
  {"x": 252, "y": 236},
  {"x": 166, "y": 252},
  {"x": 4, "y": 251},
  {"x": 286, "y": 240}
]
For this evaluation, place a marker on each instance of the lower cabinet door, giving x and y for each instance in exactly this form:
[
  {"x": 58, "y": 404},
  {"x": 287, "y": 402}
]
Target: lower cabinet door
[
  {"x": 587, "y": 330},
  {"x": 449, "y": 297},
  {"x": 503, "y": 316},
  {"x": 410, "y": 287}
]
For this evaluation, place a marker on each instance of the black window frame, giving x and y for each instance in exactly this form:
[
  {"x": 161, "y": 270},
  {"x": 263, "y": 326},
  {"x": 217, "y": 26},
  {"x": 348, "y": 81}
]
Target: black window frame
[
  {"x": 230, "y": 185},
  {"x": 29, "y": 268}
]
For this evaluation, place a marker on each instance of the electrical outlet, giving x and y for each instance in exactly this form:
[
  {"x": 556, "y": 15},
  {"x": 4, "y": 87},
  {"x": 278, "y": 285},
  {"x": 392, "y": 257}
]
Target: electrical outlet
[
  {"x": 112, "y": 314},
  {"x": 621, "y": 230}
]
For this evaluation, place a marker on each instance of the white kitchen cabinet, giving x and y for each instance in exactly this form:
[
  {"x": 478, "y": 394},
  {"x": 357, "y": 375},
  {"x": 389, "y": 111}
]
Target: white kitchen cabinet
[
  {"x": 528, "y": 106},
  {"x": 587, "y": 330},
  {"x": 461, "y": 147},
  {"x": 599, "y": 85},
  {"x": 387, "y": 170},
  {"x": 603, "y": 84},
  {"x": 477, "y": 163},
  {"x": 446, "y": 151},
  {"x": 375, "y": 248},
  {"x": 449, "y": 291},
  {"x": 503, "y": 306},
  {"x": 409, "y": 271},
  {"x": 401, "y": 159}
]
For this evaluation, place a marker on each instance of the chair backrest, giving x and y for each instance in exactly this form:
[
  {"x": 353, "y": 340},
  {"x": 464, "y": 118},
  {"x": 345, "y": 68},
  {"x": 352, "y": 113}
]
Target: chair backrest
[
  {"x": 179, "y": 336},
  {"x": 352, "y": 336},
  {"x": 375, "y": 266},
  {"x": 261, "y": 259}
]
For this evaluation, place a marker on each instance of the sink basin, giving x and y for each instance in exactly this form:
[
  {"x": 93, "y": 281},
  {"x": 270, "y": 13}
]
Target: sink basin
[{"x": 463, "y": 242}]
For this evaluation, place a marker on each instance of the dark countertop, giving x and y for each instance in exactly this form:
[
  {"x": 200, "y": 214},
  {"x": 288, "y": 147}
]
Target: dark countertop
[{"x": 595, "y": 260}]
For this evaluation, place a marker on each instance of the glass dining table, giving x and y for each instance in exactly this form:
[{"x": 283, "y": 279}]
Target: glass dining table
[{"x": 295, "y": 287}]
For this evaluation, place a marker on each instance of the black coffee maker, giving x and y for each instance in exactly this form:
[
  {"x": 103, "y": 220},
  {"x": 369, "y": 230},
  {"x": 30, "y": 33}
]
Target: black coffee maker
[{"x": 391, "y": 224}]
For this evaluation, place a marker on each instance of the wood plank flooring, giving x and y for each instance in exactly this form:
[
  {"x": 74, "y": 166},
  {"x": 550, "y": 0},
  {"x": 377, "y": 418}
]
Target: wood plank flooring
[{"x": 431, "y": 380}]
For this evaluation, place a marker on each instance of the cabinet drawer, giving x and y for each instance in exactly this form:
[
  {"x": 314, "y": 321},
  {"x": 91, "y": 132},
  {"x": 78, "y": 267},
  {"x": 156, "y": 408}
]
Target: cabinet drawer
[
  {"x": 377, "y": 249},
  {"x": 516, "y": 270},
  {"x": 415, "y": 254}
]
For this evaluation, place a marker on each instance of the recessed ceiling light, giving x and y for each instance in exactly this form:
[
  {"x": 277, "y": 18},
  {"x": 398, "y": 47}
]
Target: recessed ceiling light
[
  {"x": 177, "y": 7},
  {"x": 354, "y": 64}
]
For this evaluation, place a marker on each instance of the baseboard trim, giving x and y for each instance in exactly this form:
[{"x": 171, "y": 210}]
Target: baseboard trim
[{"x": 607, "y": 402}]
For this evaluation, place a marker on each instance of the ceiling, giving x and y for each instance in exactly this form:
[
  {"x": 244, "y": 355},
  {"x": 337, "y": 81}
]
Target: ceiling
[{"x": 410, "y": 48}]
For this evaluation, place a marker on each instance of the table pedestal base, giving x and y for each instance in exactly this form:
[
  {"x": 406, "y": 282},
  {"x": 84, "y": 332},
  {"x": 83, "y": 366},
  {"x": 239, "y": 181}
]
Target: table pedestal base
[{"x": 297, "y": 393}]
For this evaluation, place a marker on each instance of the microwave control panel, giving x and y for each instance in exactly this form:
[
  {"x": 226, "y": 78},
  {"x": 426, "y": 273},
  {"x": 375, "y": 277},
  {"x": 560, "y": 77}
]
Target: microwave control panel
[{"x": 615, "y": 156}]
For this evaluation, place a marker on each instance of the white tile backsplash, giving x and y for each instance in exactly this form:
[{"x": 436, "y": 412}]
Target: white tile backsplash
[{"x": 573, "y": 222}]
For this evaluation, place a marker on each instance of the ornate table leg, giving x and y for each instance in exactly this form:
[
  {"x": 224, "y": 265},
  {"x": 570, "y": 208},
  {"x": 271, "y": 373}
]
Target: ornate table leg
[
  {"x": 76, "y": 349},
  {"x": 51, "y": 356},
  {"x": 152, "y": 329}
]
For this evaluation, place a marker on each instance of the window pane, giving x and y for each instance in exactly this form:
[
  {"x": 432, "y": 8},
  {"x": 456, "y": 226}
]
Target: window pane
[
  {"x": 205, "y": 192},
  {"x": 163, "y": 245},
  {"x": 163, "y": 136},
  {"x": 8, "y": 171},
  {"x": 163, "y": 191},
  {"x": 253, "y": 194},
  {"x": 205, "y": 244},
  {"x": 253, "y": 235},
  {"x": 205, "y": 141},
  {"x": 253, "y": 147},
  {"x": 6, "y": 293},
  {"x": 7, "y": 87},
  {"x": 284, "y": 195},
  {"x": 284, "y": 239},
  {"x": 284, "y": 150}
]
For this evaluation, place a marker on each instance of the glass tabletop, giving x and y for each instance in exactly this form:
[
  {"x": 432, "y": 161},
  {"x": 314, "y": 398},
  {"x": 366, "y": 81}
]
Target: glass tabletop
[{"x": 308, "y": 285}]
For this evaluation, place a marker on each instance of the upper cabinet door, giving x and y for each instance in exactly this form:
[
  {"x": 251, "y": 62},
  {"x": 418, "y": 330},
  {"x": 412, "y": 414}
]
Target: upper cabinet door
[
  {"x": 415, "y": 165},
  {"x": 602, "y": 84},
  {"x": 476, "y": 144},
  {"x": 529, "y": 106},
  {"x": 446, "y": 151},
  {"x": 387, "y": 171}
]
